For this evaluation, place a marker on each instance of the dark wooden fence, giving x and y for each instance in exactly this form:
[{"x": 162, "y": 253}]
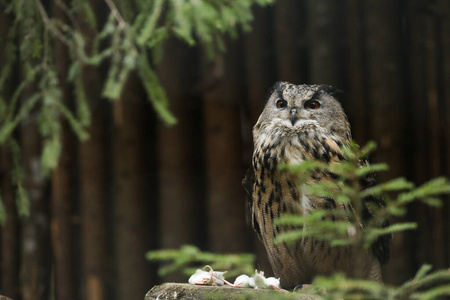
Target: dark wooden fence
[{"x": 138, "y": 185}]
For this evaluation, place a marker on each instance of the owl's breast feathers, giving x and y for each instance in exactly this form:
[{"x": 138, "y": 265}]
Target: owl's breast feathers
[{"x": 273, "y": 192}]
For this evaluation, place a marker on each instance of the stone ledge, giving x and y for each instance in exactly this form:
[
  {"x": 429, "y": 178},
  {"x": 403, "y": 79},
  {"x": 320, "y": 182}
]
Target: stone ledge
[{"x": 186, "y": 291}]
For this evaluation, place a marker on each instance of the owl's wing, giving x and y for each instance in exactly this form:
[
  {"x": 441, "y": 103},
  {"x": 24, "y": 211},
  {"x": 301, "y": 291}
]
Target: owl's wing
[
  {"x": 381, "y": 246},
  {"x": 248, "y": 183}
]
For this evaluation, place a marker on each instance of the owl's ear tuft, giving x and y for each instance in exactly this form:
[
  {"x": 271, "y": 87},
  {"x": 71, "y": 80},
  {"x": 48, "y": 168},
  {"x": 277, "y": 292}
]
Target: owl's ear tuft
[
  {"x": 330, "y": 90},
  {"x": 277, "y": 86},
  {"x": 274, "y": 88}
]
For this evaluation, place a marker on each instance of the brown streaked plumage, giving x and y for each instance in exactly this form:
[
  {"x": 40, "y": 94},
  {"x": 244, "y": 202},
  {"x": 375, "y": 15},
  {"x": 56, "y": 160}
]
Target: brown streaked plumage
[{"x": 301, "y": 122}]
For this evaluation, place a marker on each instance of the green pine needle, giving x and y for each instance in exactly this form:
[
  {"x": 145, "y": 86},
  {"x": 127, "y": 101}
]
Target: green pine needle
[{"x": 188, "y": 255}]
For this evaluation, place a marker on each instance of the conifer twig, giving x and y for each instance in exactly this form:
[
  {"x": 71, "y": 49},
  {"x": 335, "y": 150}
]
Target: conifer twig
[
  {"x": 116, "y": 14},
  {"x": 48, "y": 23}
]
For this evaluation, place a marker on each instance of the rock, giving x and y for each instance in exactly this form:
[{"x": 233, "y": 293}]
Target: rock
[{"x": 188, "y": 291}]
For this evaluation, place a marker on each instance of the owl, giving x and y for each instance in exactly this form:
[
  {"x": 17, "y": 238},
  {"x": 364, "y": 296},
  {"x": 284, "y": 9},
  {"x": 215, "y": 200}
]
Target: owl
[{"x": 298, "y": 123}]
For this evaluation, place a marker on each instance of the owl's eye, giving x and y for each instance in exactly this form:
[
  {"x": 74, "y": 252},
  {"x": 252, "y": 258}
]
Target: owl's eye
[
  {"x": 281, "y": 103},
  {"x": 312, "y": 104}
]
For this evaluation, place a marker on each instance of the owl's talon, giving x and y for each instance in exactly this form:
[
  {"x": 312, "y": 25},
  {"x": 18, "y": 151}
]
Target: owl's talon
[
  {"x": 301, "y": 287},
  {"x": 298, "y": 288}
]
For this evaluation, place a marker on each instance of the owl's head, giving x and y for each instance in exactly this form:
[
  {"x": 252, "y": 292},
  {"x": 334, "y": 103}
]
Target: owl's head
[{"x": 296, "y": 108}]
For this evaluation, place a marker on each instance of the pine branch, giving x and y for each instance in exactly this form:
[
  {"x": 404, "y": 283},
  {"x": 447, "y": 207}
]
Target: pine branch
[{"x": 188, "y": 255}]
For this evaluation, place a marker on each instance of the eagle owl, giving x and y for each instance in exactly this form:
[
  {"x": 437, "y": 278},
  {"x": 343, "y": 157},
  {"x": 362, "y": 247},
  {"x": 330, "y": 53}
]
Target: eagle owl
[{"x": 300, "y": 122}]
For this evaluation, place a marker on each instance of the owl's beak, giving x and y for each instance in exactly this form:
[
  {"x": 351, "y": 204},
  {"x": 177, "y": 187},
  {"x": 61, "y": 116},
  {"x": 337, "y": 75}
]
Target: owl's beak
[{"x": 293, "y": 116}]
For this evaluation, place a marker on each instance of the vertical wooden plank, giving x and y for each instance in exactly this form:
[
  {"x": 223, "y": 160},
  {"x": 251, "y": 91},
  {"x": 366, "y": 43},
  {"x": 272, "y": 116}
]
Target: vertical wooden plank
[
  {"x": 386, "y": 80},
  {"x": 356, "y": 104},
  {"x": 62, "y": 188},
  {"x": 10, "y": 263},
  {"x": 325, "y": 40},
  {"x": 387, "y": 101},
  {"x": 418, "y": 109},
  {"x": 35, "y": 228},
  {"x": 260, "y": 76},
  {"x": 418, "y": 144},
  {"x": 35, "y": 270},
  {"x": 224, "y": 167},
  {"x": 94, "y": 156},
  {"x": 179, "y": 162},
  {"x": 417, "y": 130},
  {"x": 131, "y": 178},
  {"x": 259, "y": 61},
  {"x": 431, "y": 83},
  {"x": 436, "y": 251},
  {"x": 444, "y": 62},
  {"x": 290, "y": 41},
  {"x": 94, "y": 194},
  {"x": 62, "y": 223},
  {"x": 10, "y": 238}
]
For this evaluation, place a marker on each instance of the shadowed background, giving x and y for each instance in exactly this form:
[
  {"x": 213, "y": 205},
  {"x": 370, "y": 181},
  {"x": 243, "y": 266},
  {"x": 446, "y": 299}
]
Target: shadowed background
[{"x": 138, "y": 185}]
